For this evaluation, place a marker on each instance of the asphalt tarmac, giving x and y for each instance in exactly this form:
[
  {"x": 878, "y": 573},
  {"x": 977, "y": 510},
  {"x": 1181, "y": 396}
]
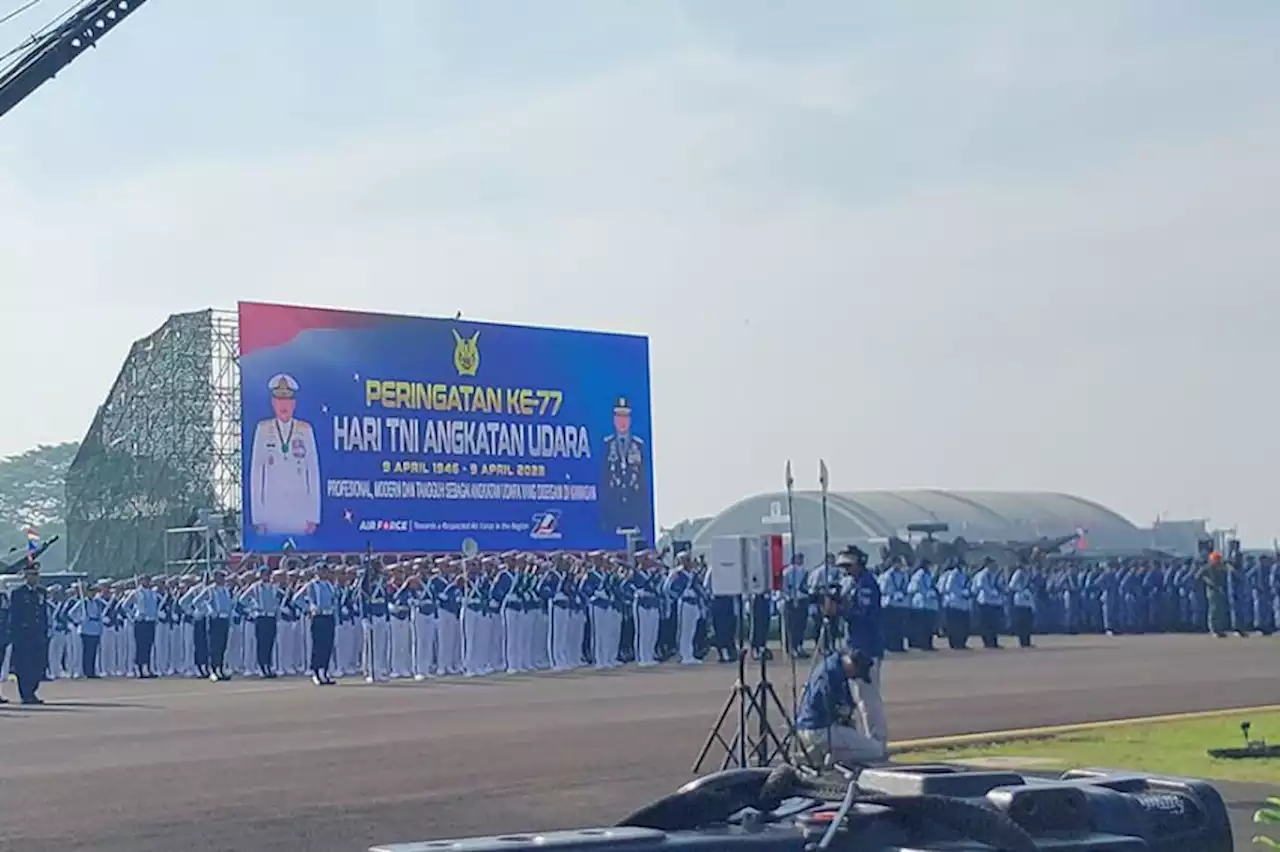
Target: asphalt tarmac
[{"x": 193, "y": 766}]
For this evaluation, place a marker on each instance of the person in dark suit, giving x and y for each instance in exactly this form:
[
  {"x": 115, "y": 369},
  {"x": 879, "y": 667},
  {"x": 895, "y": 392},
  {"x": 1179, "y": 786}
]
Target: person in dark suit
[
  {"x": 625, "y": 487},
  {"x": 29, "y": 634}
]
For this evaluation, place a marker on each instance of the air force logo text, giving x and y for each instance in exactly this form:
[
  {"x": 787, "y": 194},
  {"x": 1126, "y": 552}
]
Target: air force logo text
[
  {"x": 384, "y": 526},
  {"x": 546, "y": 525}
]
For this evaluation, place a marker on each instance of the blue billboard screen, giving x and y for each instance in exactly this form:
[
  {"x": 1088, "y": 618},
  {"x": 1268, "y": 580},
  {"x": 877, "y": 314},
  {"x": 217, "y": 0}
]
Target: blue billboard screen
[{"x": 410, "y": 434}]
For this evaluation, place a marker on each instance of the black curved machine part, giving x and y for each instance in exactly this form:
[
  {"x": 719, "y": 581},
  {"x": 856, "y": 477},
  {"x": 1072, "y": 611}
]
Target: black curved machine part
[{"x": 899, "y": 809}]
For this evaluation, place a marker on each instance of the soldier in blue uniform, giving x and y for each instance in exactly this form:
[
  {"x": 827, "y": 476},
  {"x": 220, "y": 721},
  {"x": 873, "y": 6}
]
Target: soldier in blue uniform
[
  {"x": 647, "y": 606},
  {"x": 318, "y": 597},
  {"x": 475, "y": 649},
  {"x": 624, "y": 499},
  {"x": 597, "y": 596},
  {"x": 142, "y": 605},
  {"x": 625, "y": 602},
  {"x": 956, "y": 605},
  {"x": 1023, "y": 599},
  {"x": 897, "y": 600},
  {"x": 59, "y": 634},
  {"x": 375, "y": 618},
  {"x": 264, "y": 600},
  {"x": 685, "y": 597},
  {"x": 88, "y": 613},
  {"x": 1106, "y": 586},
  {"x": 922, "y": 594},
  {"x": 1241, "y": 595},
  {"x": 570, "y": 595},
  {"x": 1260, "y": 586},
  {"x": 504, "y": 604},
  {"x": 221, "y": 607},
  {"x": 426, "y": 621},
  {"x": 990, "y": 598},
  {"x": 1275, "y": 593},
  {"x": 29, "y": 634},
  {"x": 795, "y": 606},
  {"x": 667, "y": 632}
]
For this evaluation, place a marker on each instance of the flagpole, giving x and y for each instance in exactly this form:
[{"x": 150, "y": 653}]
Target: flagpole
[
  {"x": 788, "y": 603},
  {"x": 823, "y": 481},
  {"x": 791, "y": 515}
]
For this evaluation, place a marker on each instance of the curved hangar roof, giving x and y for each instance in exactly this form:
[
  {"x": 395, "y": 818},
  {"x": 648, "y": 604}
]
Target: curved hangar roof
[{"x": 975, "y": 515}]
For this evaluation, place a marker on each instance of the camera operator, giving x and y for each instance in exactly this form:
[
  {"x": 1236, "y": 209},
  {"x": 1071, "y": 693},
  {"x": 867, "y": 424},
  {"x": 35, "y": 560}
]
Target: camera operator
[{"x": 845, "y": 683}]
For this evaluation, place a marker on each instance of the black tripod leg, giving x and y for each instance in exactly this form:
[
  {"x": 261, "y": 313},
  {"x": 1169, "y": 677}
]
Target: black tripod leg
[
  {"x": 768, "y": 695},
  {"x": 716, "y": 736}
]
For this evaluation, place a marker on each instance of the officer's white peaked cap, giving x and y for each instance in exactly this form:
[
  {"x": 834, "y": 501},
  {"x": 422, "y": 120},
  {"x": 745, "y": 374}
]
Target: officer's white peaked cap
[{"x": 283, "y": 386}]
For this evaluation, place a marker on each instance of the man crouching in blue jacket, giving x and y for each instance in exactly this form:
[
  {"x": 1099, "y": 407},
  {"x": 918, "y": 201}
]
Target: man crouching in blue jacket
[{"x": 845, "y": 683}]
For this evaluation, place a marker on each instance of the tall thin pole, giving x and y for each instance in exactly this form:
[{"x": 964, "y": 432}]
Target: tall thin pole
[
  {"x": 823, "y": 481},
  {"x": 787, "y": 602}
]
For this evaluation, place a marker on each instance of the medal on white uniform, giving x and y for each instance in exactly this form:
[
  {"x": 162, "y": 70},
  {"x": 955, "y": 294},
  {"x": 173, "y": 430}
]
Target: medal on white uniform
[{"x": 285, "y": 442}]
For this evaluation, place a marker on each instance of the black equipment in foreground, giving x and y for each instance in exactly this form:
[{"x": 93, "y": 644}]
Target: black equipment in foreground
[
  {"x": 903, "y": 809},
  {"x": 758, "y": 715}
]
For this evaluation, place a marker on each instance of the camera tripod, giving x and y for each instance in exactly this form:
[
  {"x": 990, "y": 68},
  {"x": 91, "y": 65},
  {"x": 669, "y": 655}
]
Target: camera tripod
[{"x": 753, "y": 708}]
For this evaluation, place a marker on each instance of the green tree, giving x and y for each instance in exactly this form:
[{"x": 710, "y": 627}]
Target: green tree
[{"x": 32, "y": 494}]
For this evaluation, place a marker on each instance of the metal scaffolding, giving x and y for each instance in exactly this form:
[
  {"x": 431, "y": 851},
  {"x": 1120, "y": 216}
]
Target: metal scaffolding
[{"x": 163, "y": 449}]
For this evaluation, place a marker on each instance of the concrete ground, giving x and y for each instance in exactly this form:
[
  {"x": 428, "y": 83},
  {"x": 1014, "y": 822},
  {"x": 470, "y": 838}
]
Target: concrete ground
[{"x": 251, "y": 765}]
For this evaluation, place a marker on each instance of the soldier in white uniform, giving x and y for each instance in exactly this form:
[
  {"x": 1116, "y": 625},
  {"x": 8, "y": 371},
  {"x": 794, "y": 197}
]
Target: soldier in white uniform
[{"x": 285, "y": 489}]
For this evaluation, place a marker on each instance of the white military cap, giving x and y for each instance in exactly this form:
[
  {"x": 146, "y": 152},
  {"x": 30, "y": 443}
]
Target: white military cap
[{"x": 283, "y": 386}]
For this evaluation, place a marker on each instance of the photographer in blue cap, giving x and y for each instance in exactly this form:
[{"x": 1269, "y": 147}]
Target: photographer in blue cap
[{"x": 844, "y": 685}]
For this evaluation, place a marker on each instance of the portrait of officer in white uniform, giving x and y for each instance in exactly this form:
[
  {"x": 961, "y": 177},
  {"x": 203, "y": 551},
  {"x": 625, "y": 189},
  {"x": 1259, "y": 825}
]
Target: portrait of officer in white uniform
[{"x": 284, "y": 492}]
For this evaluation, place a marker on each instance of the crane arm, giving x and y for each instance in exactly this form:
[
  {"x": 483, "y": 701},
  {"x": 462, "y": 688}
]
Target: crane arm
[{"x": 50, "y": 52}]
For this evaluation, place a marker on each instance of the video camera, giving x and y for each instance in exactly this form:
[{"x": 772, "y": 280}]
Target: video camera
[{"x": 900, "y": 809}]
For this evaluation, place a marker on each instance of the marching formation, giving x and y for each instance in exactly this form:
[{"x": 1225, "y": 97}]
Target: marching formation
[
  {"x": 419, "y": 618},
  {"x": 520, "y": 612}
]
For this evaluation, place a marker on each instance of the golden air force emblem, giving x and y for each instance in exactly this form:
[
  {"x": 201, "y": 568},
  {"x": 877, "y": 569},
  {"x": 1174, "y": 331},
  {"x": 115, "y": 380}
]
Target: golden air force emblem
[{"x": 466, "y": 353}]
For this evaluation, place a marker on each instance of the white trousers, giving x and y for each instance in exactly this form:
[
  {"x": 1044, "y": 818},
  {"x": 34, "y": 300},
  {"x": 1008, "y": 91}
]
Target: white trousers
[
  {"x": 401, "y": 647},
  {"x": 559, "y": 627},
  {"x": 871, "y": 717},
  {"x": 603, "y": 646},
  {"x": 845, "y": 745},
  {"x": 514, "y": 642},
  {"x": 162, "y": 651},
  {"x": 540, "y": 640},
  {"x": 495, "y": 637},
  {"x": 354, "y": 647},
  {"x": 426, "y": 640},
  {"x": 448, "y": 644},
  {"x": 58, "y": 643},
  {"x": 646, "y": 635},
  {"x": 687, "y": 625},
  {"x": 248, "y": 659},
  {"x": 577, "y": 637},
  {"x": 475, "y": 643}
]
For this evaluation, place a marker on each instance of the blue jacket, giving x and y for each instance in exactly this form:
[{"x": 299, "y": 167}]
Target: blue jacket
[
  {"x": 827, "y": 698},
  {"x": 863, "y": 617}
]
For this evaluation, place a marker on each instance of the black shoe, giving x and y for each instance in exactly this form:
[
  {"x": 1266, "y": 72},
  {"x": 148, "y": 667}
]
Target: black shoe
[{"x": 32, "y": 700}]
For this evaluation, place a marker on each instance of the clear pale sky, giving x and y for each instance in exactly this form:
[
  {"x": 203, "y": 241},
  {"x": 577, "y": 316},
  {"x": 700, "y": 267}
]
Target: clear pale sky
[{"x": 997, "y": 245}]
